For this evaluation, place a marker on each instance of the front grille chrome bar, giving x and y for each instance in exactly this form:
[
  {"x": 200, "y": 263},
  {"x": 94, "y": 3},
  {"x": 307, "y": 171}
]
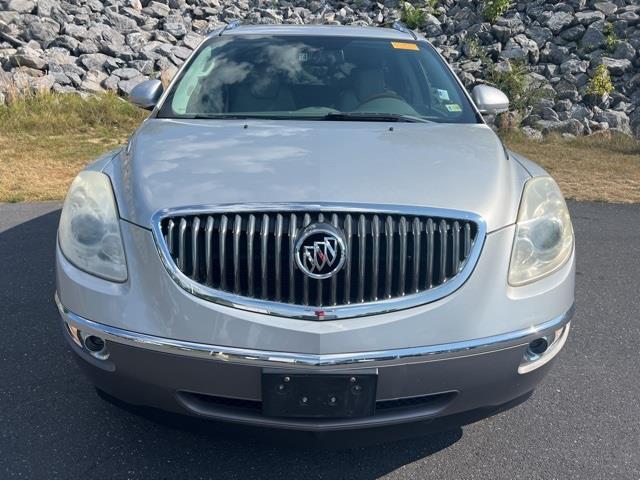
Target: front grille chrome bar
[{"x": 243, "y": 256}]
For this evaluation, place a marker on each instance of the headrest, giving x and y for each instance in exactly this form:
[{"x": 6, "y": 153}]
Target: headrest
[
  {"x": 265, "y": 83},
  {"x": 369, "y": 82}
]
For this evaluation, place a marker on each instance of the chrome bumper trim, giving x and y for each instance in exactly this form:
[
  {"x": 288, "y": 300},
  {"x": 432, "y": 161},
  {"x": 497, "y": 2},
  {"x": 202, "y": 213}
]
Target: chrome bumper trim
[{"x": 305, "y": 360}]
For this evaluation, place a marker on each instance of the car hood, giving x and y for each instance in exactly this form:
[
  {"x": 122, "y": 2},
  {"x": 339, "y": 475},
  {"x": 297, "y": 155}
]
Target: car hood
[{"x": 177, "y": 163}]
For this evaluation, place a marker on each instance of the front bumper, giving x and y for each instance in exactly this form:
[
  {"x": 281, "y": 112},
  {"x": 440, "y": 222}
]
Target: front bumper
[
  {"x": 223, "y": 383},
  {"x": 175, "y": 351}
]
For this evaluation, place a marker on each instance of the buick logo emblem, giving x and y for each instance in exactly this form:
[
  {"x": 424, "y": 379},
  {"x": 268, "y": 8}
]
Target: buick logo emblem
[{"x": 320, "y": 251}]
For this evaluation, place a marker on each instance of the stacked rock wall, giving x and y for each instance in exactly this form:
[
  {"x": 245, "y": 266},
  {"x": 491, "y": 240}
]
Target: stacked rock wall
[{"x": 92, "y": 46}]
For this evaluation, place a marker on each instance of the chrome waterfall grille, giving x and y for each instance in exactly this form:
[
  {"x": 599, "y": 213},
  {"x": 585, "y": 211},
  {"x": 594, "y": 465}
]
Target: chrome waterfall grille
[{"x": 245, "y": 257}]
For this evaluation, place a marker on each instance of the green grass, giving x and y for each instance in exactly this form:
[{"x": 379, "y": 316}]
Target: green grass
[
  {"x": 52, "y": 114},
  {"x": 603, "y": 167},
  {"x": 46, "y": 139}
]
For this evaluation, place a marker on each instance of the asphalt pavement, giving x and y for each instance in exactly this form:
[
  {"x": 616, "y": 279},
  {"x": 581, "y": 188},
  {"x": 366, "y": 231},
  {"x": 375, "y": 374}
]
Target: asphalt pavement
[{"x": 582, "y": 422}]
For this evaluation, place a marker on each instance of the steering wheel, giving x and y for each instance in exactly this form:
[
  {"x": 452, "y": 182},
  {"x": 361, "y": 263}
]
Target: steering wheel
[{"x": 385, "y": 94}]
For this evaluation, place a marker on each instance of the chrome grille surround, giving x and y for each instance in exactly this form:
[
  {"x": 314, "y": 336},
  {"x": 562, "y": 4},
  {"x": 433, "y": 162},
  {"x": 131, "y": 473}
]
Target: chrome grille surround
[{"x": 238, "y": 221}]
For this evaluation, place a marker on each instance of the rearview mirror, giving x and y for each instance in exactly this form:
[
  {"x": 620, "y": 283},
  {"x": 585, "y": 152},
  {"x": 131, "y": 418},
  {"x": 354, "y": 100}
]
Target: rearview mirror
[
  {"x": 489, "y": 100},
  {"x": 146, "y": 94}
]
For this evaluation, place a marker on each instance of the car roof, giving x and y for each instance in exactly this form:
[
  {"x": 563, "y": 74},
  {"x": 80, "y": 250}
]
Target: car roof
[{"x": 317, "y": 30}]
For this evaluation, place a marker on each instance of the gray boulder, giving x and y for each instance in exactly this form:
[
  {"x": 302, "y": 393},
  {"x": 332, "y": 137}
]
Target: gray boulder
[
  {"x": 532, "y": 133},
  {"x": 587, "y": 18},
  {"x": 27, "y": 57},
  {"x": 47, "y": 7},
  {"x": 43, "y": 32},
  {"x": 156, "y": 9},
  {"x": 574, "y": 65},
  {"x": 573, "y": 34},
  {"x": 559, "y": 21},
  {"x": 540, "y": 35},
  {"x": 125, "y": 86},
  {"x": 96, "y": 61},
  {"x": 121, "y": 23},
  {"x": 616, "y": 120},
  {"x": 608, "y": 8},
  {"x": 87, "y": 46},
  {"x": 21, "y": 6},
  {"x": 175, "y": 26},
  {"x": 617, "y": 66},
  {"x": 521, "y": 48},
  {"x": 593, "y": 37},
  {"x": 92, "y": 82},
  {"x": 624, "y": 50},
  {"x": 126, "y": 73},
  {"x": 571, "y": 126}
]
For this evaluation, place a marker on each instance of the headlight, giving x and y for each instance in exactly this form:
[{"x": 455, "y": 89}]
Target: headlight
[
  {"x": 89, "y": 231},
  {"x": 544, "y": 235}
]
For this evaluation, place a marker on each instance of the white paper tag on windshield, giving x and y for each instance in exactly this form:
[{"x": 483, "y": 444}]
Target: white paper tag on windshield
[{"x": 443, "y": 94}]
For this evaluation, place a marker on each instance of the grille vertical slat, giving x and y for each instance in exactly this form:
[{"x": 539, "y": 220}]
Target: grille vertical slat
[
  {"x": 306, "y": 220},
  {"x": 334, "y": 279},
  {"x": 388, "y": 271},
  {"x": 403, "y": 257},
  {"x": 182, "y": 247},
  {"x": 319, "y": 285},
  {"x": 442, "y": 232},
  {"x": 430, "y": 228},
  {"x": 417, "y": 247},
  {"x": 362, "y": 256},
  {"x": 348, "y": 232},
  {"x": 278, "y": 256},
  {"x": 455, "y": 253},
  {"x": 251, "y": 230},
  {"x": 237, "y": 226},
  {"x": 208, "y": 249},
  {"x": 252, "y": 254},
  {"x": 467, "y": 239},
  {"x": 222, "y": 235},
  {"x": 195, "y": 230},
  {"x": 375, "y": 256},
  {"x": 171, "y": 226},
  {"x": 292, "y": 262},
  {"x": 264, "y": 255}
]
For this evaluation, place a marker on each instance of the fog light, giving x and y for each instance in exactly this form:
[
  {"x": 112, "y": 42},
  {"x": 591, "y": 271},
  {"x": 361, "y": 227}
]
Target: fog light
[
  {"x": 543, "y": 349},
  {"x": 96, "y": 346},
  {"x": 538, "y": 347},
  {"x": 93, "y": 343}
]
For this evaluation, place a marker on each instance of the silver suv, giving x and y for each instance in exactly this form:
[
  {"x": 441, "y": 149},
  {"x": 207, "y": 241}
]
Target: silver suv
[{"x": 316, "y": 230}]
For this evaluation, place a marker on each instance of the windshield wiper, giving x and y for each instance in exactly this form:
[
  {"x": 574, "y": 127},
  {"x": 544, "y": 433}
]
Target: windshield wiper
[
  {"x": 374, "y": 117},
  {"x": 215, "y": 116}
]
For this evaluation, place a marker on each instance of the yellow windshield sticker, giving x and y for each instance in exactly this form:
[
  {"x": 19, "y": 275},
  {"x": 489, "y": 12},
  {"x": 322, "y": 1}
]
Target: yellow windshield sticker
[
  {"x": 454, "y": 107},
  {"x": 404, "y": 46}
]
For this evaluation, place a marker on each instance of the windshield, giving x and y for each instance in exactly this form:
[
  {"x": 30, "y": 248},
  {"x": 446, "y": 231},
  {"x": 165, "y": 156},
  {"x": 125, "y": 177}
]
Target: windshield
[{"x": 332, "y": 78}]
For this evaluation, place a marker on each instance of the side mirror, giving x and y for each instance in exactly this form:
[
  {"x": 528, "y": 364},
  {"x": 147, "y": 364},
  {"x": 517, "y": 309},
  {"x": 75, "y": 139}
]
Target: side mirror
[
  {"x": 489, "y": 100},
  {"x": 146, "y": 94}
]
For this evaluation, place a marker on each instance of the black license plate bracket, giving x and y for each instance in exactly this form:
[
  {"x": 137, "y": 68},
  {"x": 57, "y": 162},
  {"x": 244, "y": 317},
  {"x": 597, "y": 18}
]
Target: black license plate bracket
[{"x": 312, "y": 395}]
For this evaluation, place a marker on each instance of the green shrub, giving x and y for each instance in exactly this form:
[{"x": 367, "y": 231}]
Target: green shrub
[
  {"x": 495, "y": 9},
  {"x": 412, "y": 17},
  {"x": 474, "y": 50},
  {"x": 600, "y": 83},
  {"x": 515, "y": 83},
  {"x": 611, "y": 40}
]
